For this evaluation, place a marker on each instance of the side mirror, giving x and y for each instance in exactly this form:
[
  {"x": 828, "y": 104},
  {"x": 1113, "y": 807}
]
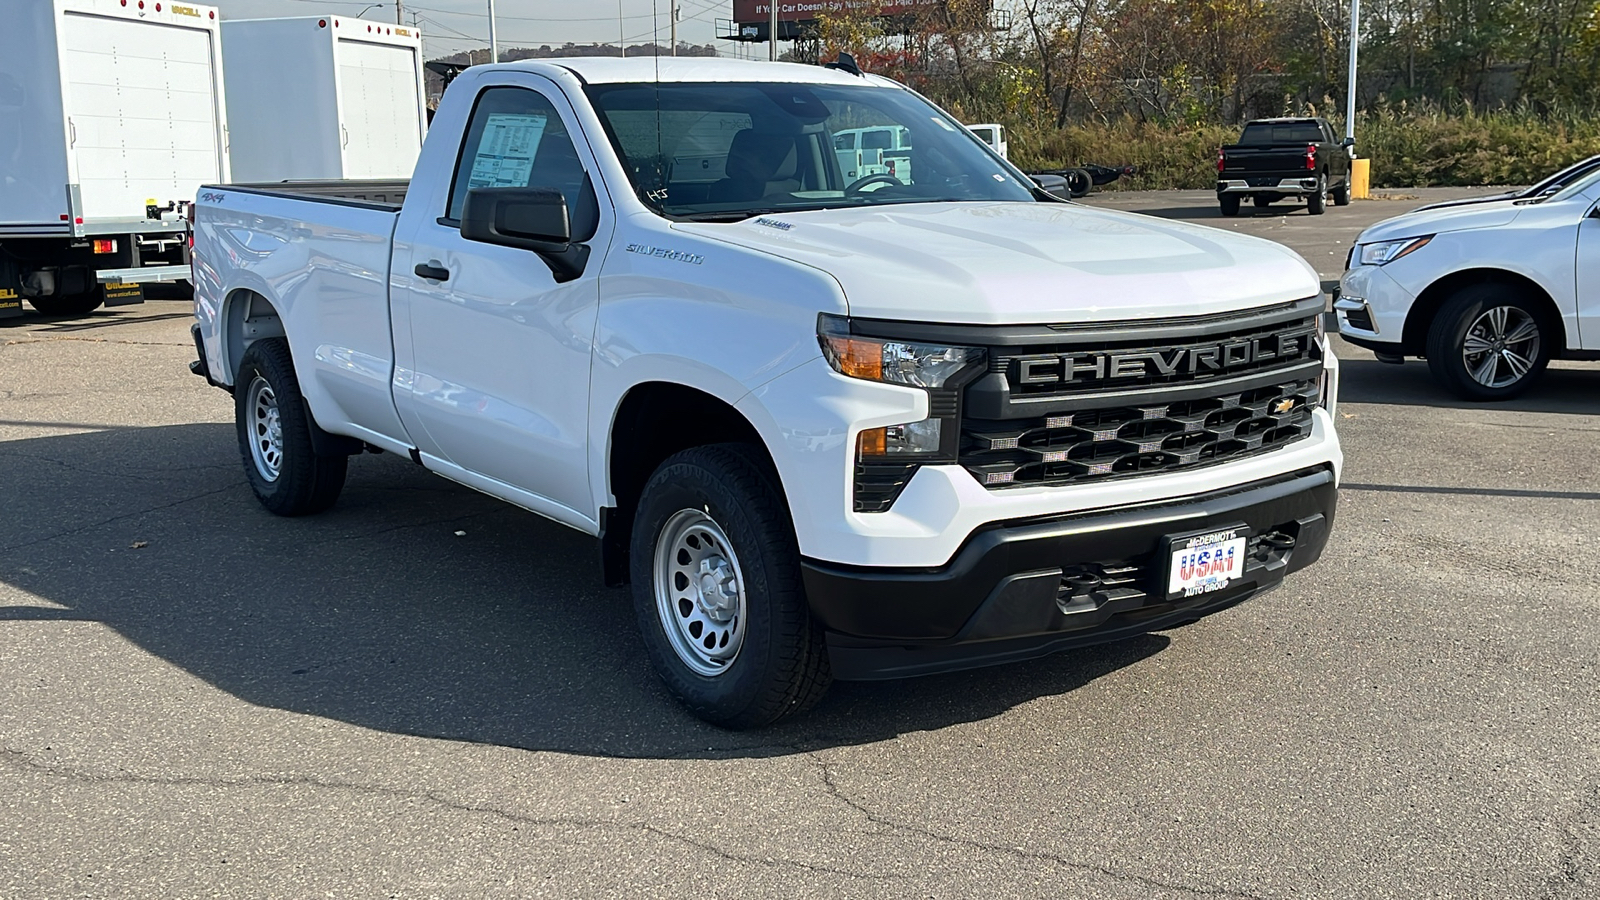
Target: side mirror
[
  {"x": 533, "y": 219},
  {"x": 1348, "y": 142}
]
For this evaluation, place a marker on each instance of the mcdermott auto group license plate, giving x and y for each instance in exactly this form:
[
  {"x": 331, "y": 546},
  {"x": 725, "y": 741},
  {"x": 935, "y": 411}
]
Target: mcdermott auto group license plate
[{"x": 1202, "y": 563}]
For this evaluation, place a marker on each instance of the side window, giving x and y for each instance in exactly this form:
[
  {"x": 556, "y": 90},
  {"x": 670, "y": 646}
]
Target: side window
[
  {"x": 516, "y": 139},
  {"x": 846, "y": 141}
]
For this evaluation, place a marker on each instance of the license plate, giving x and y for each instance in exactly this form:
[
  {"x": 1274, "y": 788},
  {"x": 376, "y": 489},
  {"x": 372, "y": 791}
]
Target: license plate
[{"x": 1203, "y": 563}]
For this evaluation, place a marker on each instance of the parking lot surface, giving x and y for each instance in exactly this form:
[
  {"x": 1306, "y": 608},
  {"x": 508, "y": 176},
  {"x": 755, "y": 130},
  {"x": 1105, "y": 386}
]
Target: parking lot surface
[{"x": 425, "y": 692}]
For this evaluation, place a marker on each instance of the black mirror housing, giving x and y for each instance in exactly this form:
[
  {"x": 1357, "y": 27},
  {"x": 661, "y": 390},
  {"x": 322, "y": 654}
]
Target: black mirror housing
[
  {"x": 1348, "y": 142},
  {"x": 533, "y": 219}
]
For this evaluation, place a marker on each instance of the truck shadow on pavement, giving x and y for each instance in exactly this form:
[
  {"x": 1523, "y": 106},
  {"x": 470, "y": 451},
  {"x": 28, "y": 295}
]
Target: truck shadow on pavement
[{"x": 414, "y": 606}]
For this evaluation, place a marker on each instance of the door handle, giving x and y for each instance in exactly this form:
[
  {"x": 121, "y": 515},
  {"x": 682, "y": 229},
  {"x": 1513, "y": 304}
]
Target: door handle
[{"x": 432, "y": 272}]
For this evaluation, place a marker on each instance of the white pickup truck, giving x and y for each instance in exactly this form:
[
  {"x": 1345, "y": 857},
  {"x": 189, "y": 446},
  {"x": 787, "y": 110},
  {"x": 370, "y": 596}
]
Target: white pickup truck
[{"x": 824, "y": 429}]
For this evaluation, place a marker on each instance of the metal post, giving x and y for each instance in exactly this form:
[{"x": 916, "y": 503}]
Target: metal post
[
  {"x": 675, "y": 10},
  {"x": 772, "y": 33},
  {"x": 622, "y": 32},
  {"x": 1350, "y": 92},
  {"x": 494, "y": 45},
  {"x": 399, "y": 11}
]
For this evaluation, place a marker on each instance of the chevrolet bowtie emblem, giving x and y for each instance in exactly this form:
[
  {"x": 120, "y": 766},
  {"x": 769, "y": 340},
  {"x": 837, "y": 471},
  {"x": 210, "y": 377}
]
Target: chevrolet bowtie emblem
[{"x": 1283, "y": 406}]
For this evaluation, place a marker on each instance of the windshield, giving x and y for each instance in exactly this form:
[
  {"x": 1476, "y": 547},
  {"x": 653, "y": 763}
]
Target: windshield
[
  {"x": 1282, "y": 133},
  {"x": 1575, "y": 185},
  {"x": 732, "y": 150},
  {"x": 1563, "y": 178}
]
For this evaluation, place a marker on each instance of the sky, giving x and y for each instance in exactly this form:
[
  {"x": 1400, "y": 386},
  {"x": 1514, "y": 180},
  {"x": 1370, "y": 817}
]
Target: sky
[{"x": 449, "y": 26}]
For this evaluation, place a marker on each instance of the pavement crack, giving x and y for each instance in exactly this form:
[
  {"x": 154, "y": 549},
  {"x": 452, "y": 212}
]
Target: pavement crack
[
  {"x": 1569, "y": 878},
  {"x": 117, "y": 518},
  {"x": 22, "y": 760},
  {"x": 833, "y": 788}
]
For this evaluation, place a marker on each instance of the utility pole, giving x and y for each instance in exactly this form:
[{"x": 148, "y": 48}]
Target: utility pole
[
  {"x": 494, "y": 45},
  {"x": 772, "y": 32},
  {"x": 622, "y": 32},
  {"x": 398, "y": 12},
  {"x": 1350, "y": 90},
  {"x": 675, "y": 10}
]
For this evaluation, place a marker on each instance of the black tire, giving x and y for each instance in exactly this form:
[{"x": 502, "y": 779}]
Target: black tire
[
  {"x": 305, "y": 481},
  {"x": 1229, "y": 204},
  {"x": 71, "y": 305},
  {"x": 1317, "y": 202},
  {"x": 1079, "y": 182},
  {"x": 780, "y": 664},
  {"x": 1464, "y": 315},
  {"x": 1262, "y": 201},
  {"x": 1341, "y": 195}
]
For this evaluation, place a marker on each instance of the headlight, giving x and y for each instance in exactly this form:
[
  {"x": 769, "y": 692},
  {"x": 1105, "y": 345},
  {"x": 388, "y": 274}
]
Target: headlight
[
  {"x": 1383, "y": 252},
  {"x": 890, "y": 361}
]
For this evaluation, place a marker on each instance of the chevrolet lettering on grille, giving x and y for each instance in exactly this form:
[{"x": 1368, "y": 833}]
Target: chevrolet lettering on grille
[{"x": 1201, "y": 360}]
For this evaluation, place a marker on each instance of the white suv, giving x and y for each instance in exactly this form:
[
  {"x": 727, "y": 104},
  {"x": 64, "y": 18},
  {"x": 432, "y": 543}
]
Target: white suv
[{"x": 1487, "y": 292}]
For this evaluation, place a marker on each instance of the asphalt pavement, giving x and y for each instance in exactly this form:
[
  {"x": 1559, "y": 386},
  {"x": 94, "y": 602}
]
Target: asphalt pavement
[{"x": 428, "y": 693}]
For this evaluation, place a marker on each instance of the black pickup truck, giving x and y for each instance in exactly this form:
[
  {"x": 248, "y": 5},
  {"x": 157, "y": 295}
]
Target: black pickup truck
[{"x": 1278, "y": 158}]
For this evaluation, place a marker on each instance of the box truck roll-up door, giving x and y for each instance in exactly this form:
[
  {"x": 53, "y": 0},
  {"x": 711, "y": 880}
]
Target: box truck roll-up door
[
  {"x": 141, "y": 99},
  {"x": 380, "y": 106}
]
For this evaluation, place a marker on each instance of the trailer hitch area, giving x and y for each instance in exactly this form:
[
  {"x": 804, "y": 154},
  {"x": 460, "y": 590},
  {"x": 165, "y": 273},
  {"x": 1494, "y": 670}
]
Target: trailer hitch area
[{"x": 154, "y": 212}]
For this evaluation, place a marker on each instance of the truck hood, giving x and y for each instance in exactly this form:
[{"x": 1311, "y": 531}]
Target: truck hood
[
  {"x": 1440, "y": 219},
  {"x": 1024, "y": 263}
]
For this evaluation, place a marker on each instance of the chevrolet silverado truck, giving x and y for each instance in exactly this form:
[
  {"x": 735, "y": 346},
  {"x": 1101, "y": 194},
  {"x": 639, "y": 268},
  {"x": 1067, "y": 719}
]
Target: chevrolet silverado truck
[
  {"x": 1279, "y": 158},
  {"x": 823, "y": 427}
]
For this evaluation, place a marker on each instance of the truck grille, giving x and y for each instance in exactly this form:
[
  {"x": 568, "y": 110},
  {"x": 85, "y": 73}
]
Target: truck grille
[
  {"x": 1114, "y": 404},
  {"x": 1135, "y": 440}
]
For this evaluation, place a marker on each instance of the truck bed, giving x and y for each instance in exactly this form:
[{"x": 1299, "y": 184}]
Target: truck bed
[{"x": 385, "y": 194}]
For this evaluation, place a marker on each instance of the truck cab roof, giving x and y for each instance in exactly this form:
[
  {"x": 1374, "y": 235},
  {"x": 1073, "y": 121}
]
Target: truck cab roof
[{"x": 613, "y": 70}]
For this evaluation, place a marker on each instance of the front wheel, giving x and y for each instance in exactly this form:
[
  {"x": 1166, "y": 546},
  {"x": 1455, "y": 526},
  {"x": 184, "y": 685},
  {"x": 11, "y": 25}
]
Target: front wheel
[
  {"x": 286, "y": 473},
  {"x": 1229, "y": 204},
  {"x": 1488, "y": 343},
  {"x": 717, "y": 592}
]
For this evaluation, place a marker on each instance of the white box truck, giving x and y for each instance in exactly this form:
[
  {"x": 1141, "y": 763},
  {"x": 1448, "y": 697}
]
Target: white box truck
[
  {"x": 323, "y": 97},
  {"x": 111, "y": 117}
]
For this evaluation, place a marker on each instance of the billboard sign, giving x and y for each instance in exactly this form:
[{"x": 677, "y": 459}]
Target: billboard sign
[{"x": 802, "y": 10}]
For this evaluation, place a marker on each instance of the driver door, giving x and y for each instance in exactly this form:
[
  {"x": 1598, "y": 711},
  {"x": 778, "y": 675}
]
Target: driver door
[{"x": 495, "y": 378}]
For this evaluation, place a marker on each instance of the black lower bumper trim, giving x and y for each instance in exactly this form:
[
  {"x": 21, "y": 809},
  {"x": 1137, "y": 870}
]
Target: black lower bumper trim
[{"x": 1023, "y": 589}]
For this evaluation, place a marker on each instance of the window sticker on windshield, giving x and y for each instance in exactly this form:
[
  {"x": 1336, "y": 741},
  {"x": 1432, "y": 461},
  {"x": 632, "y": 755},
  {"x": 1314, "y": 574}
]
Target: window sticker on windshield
[{"x": 506, "y": 150}]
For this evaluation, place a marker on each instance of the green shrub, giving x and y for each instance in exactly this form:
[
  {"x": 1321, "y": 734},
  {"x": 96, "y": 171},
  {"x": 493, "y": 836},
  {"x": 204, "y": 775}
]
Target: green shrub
[{"x": 1408, "y": 147}]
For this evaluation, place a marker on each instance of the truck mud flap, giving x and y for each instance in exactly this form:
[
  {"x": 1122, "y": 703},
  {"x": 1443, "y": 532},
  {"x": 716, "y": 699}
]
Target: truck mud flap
[{"x": 123, "y": 294}]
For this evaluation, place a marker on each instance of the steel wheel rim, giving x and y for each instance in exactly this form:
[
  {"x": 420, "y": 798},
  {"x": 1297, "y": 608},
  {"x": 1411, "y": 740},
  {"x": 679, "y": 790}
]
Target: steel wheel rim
[
  {"x": 1501, "y": 346},
  {"x": 266, "y": 429},
  {"x": 700, "y": 593}
]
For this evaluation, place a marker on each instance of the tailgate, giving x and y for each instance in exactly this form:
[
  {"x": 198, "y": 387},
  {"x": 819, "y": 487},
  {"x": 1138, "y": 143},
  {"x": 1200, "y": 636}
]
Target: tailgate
[{"x": 1252, "y": 160}]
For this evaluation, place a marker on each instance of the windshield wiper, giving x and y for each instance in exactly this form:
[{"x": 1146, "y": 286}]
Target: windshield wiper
[{"x": 739, "y": 215}]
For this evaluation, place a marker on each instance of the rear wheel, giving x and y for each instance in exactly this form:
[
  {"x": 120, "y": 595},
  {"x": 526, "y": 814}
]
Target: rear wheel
[
  {"x": 1229, "y": 204},
  {"x": 1341, "y": 196},
  {"x": 1317, "y": 202},
  {"x": 71, "y": 305},
  {"x": 287, "y": 474},
  {"x": 1488, "y": 343},
  {"x": 717, "y": 592}
]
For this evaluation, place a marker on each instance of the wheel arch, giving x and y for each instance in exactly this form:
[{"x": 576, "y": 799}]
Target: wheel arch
[
  {"x": 247, "y": 316},
  {"x": 652, "y": 421},
  {"x": 1414, "y": 337}
]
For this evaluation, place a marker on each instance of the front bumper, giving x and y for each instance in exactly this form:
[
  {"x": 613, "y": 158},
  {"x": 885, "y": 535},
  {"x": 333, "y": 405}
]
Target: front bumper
[
  {"x": 1280, "y": 186},
  {"x": 1025, "y": 589}
]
